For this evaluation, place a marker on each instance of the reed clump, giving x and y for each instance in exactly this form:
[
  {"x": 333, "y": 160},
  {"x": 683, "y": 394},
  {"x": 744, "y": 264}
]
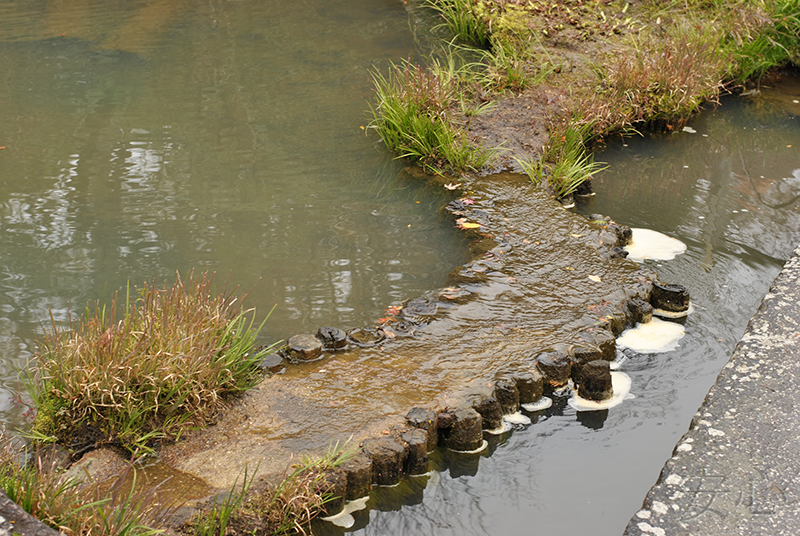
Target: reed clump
[
  {"x": 566, "y": 162},
  {"x": 414, "y": 116},
  {"x": 657, "y": 83},
  {"x": 163, "y": 368}
]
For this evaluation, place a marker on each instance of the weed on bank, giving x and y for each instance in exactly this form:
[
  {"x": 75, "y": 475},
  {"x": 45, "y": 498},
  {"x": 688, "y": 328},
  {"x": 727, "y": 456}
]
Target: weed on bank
[{"x": 663, "y": 62}]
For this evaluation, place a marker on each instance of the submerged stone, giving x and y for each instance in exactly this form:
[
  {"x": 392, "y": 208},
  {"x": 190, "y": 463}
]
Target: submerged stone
[
  {"x": 672, "y": 298},
  {"x": 403, "y": 328},
  {"x": 388, "y": 457},
  {"x": 425, "y": 420},
  {"x": 332, "y": 338},
  {"x": 595, "y": 381},
  {"x": 304, "y": 347},
  {"x": 366, "y": 337},
  {"x": 272, "y": 362},
  {"x": 530, "y": 385},
  {"x": 506, "y": 393},
  {"x": 556, "y": 368},
  {"x": 458, "y": 295},
  {"x": 418, "y": 310}
]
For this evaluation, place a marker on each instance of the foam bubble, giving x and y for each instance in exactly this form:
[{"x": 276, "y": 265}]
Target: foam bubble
[
  {"x": 502, "y": 429},
  {"x": 620, "y": 382},
  {"x": 476, "y": 451},
  {"x": 671, "y": 314},
  {"x": 541, "y": 405},
  {"x": 516, "y": 418},
  {"x": 344, "y": 519},
  {"x": 653, "y": 337},
  {"x": 649, "y": 244}
]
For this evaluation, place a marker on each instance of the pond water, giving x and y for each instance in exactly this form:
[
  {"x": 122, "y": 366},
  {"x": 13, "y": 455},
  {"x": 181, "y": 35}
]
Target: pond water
[
  {"x": 147, "y": 137},
  {"x": 151, "y": 137},
  {"x": 731, "y": 191}
]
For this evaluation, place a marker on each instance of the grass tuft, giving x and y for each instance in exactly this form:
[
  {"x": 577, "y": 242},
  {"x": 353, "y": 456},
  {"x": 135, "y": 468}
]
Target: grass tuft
[
  {"x": 661, "y": 81},
  {"x": 565, "y": 163},
  {"x": 467, "y": 19},
  {"x": 278, "y": 509},
  {"x": 413, "y": 117},
  {"x": 163, "y": 368}
]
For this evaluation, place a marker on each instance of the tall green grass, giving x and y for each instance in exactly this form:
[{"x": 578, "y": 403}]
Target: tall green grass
[
  {"x": 413, "y": 118},
  {"x": 565, "y": 163},
  {"x": 767, "y": 34},
  {"x": 467, "y": 19},
  {"x": 161, "y": 369}
]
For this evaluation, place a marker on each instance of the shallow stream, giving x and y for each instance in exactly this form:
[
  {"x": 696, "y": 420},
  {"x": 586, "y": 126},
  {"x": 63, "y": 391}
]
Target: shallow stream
[
  {"x": 148, "y": 137},
  {"x": 728, "y": 187}
]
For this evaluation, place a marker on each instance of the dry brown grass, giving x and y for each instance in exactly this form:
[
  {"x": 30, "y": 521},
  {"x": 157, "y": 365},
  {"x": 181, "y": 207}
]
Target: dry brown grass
[{"x": 163, "y": 368}]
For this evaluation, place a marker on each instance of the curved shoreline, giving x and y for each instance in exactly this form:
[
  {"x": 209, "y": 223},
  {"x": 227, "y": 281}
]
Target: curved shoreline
[{"x": 540, "y": 268}]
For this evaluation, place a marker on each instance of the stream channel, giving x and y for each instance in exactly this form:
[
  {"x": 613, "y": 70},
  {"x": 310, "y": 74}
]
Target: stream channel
[{"x": 144, "y": 138}]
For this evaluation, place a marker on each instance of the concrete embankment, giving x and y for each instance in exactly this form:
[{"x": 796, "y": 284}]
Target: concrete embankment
[{"x": 736, "y": 470}]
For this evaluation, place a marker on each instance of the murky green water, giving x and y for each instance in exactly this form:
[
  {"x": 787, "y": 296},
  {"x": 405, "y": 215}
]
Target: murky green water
[{"x": 158, "y": 136}]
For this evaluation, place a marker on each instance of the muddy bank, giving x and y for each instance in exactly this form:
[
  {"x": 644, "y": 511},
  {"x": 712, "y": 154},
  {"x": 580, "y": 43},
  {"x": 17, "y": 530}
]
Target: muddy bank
[{"x": 546, "y": 284}]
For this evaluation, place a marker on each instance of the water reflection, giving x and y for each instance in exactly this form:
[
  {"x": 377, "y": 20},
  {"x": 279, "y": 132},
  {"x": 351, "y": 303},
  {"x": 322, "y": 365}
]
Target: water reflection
[{"x": 160, "y": 136}]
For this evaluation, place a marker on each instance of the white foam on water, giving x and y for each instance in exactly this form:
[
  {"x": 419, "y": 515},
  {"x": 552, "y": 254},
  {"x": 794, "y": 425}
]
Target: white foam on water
[
  {"x": 653, "y": 337},
  {"x": 670, "y": 314},
  {"x": 620, "y": 382},
  {"x": 477, "y": 450},
  {"x": 502, "y": 429},
  {"x": 429, "y": 473},
  {"x": 344, "y": 519},
  {"x": 649, "y": 244},
  {"x": 541, "y": 405},
  {"x": 618, "y": 362},
  {"x": 516, "y": 418}
]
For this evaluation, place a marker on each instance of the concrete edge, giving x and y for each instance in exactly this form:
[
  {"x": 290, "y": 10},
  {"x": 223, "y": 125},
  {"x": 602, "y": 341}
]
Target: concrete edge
[{"x": 736, "y": 470}]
